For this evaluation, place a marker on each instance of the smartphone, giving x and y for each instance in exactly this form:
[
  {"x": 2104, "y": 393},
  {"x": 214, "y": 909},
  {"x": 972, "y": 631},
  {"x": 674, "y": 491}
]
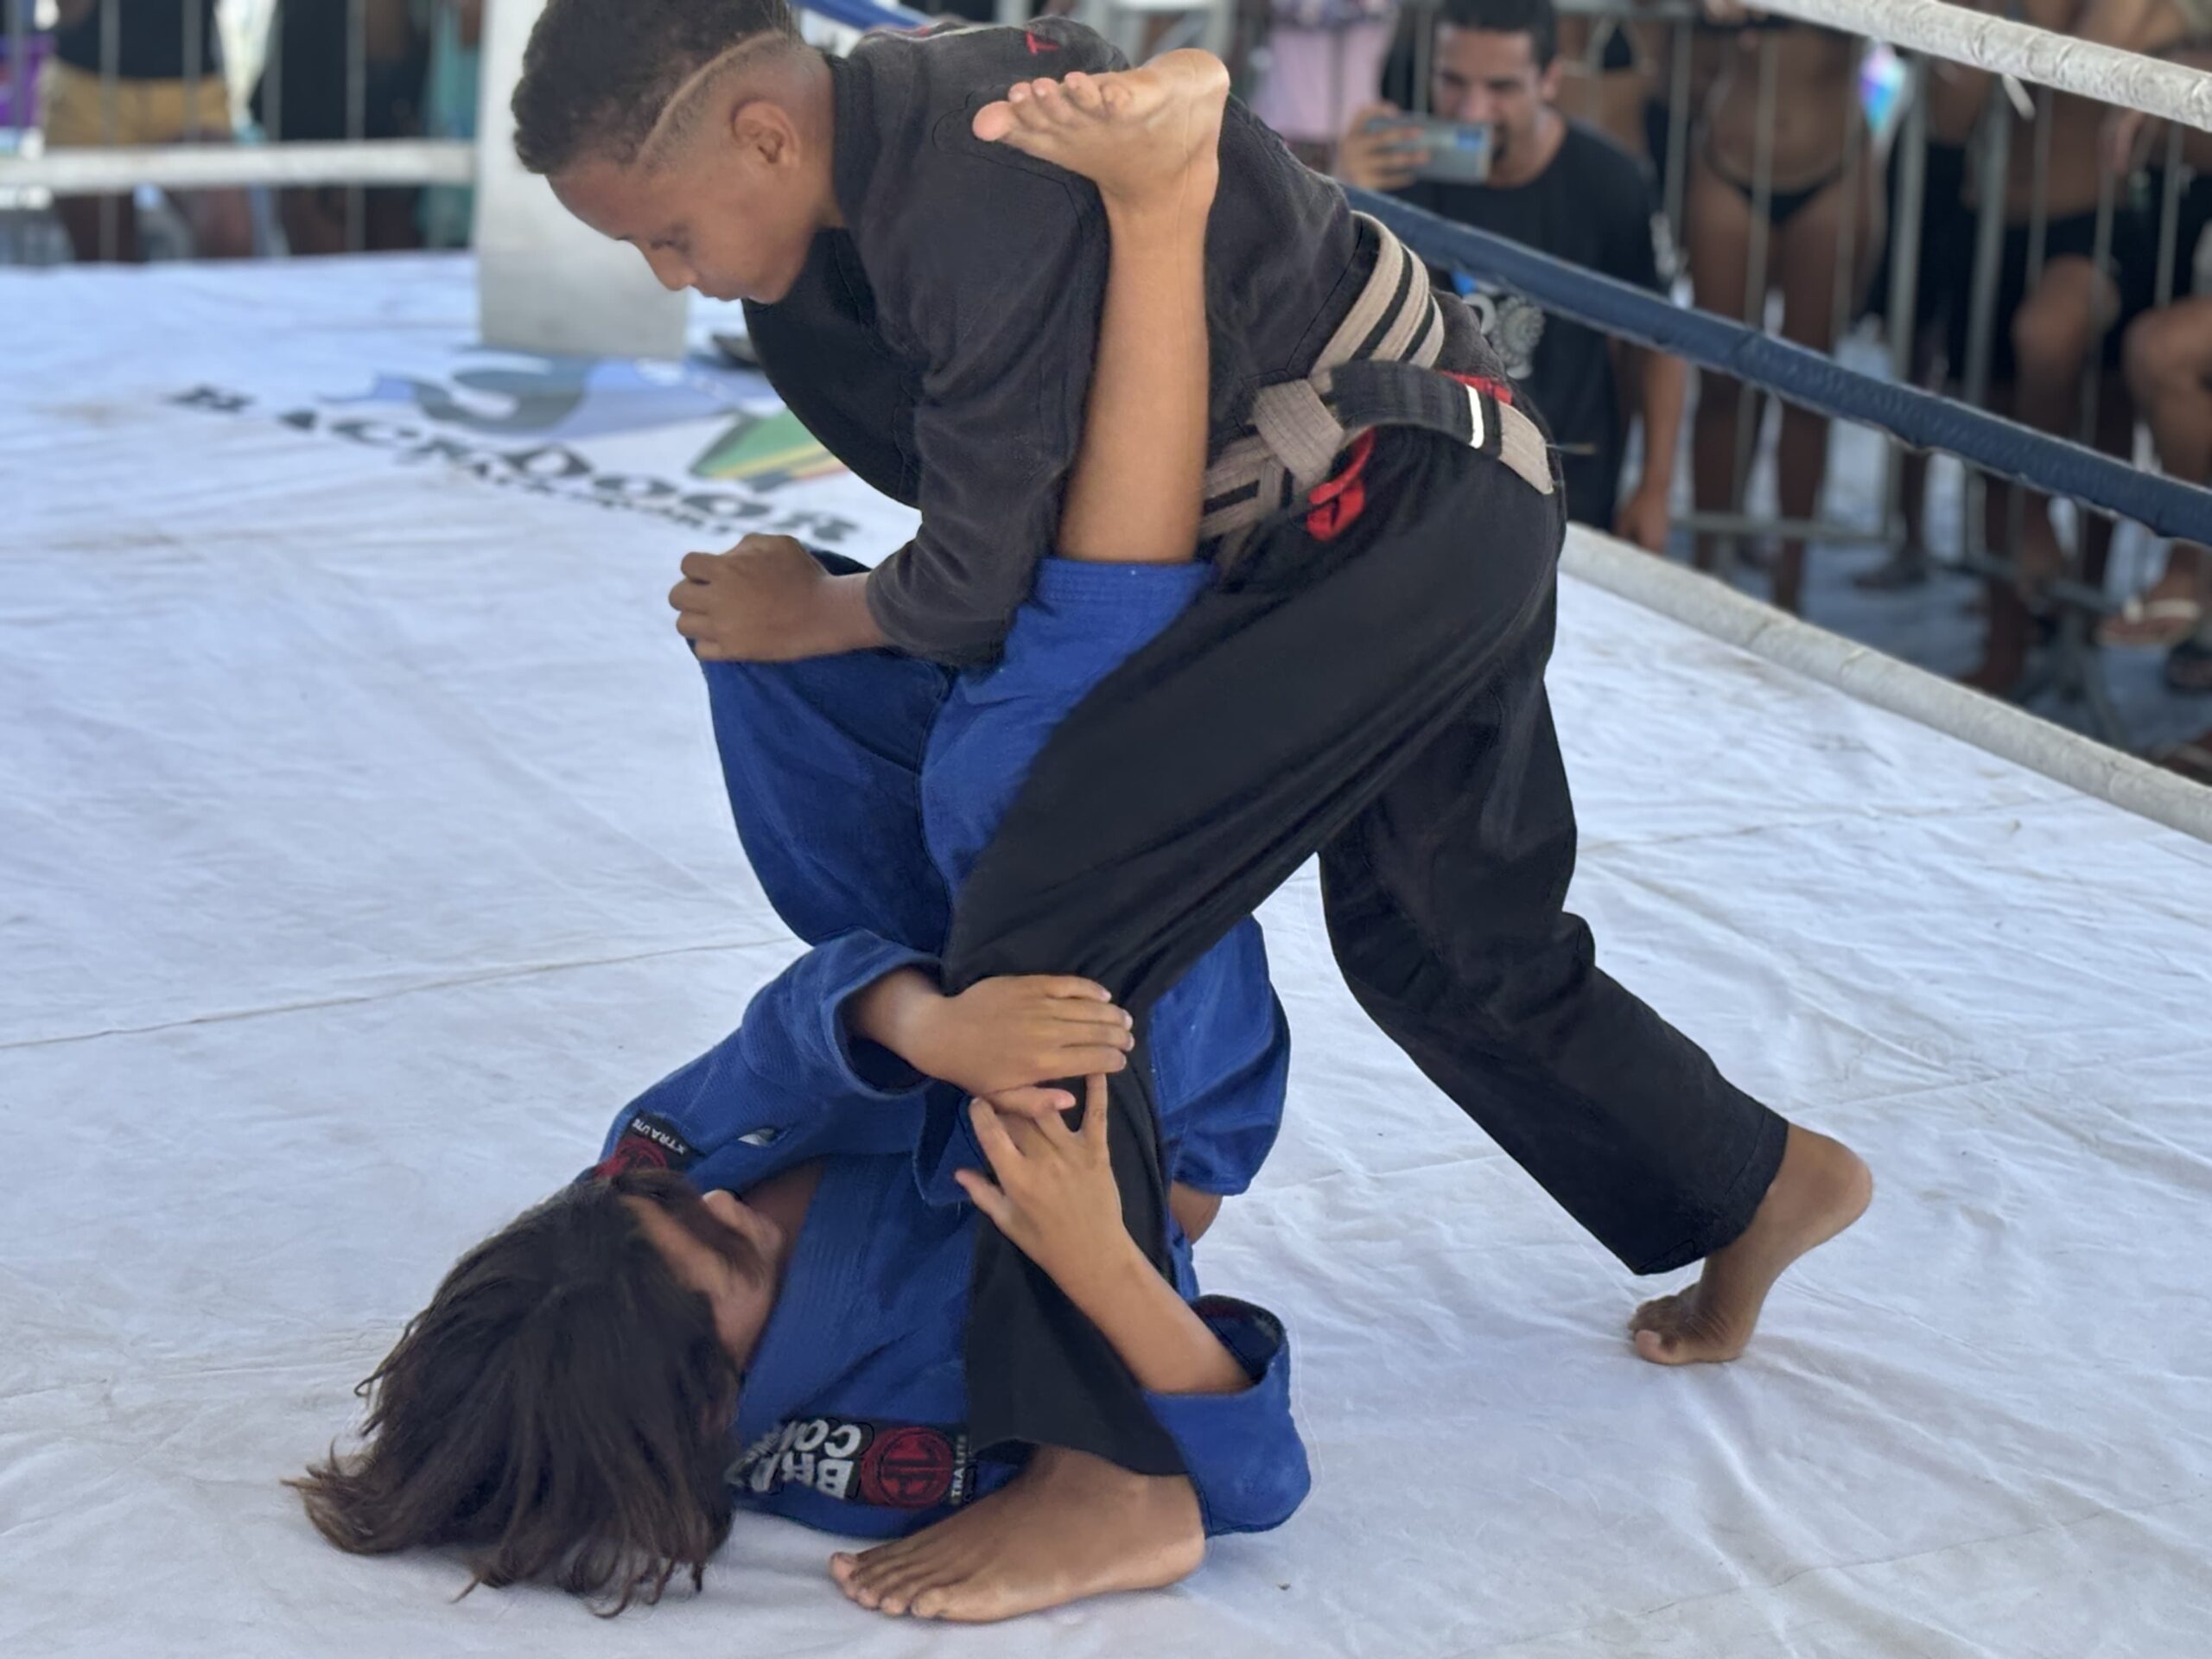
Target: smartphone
[{"x": 1458, "y": 153}]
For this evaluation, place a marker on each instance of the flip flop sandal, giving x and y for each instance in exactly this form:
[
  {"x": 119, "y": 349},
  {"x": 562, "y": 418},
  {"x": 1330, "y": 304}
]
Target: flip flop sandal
[
  {"x": 2188, "y": 666},
  {"x": 2151, "y": 624}
]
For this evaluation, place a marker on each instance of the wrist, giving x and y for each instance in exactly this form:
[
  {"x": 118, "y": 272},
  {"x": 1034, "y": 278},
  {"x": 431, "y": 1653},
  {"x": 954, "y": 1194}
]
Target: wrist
[
  {"x": 1107, "y": 1276},
  {"x": 843, "y": 617},
  {"x": 838, "y": 620},
  {"x": 899, "y": 1012}
]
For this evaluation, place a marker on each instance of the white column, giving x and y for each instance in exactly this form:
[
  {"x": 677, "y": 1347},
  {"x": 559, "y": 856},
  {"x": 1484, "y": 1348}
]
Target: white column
[{"x": 544, "y": 281}]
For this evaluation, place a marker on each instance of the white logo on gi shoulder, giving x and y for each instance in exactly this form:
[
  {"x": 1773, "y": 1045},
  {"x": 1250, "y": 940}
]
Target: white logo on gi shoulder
[{"x": 810, "y": 1452}]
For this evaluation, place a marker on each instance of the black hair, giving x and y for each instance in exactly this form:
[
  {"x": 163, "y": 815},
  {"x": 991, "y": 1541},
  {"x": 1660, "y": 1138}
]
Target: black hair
[
  {"x": 598, "y": 74},
  {"x": 1533, "y": 18}
]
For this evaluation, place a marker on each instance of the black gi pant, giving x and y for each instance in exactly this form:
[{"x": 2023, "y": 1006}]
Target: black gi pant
[{"x": 1377, "y": 698}]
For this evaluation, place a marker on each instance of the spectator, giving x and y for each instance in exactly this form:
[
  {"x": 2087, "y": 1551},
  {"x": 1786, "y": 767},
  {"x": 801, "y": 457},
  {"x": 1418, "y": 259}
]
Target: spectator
[
  {"x": 1822, "y": 191},
  {"x": 158, "y": 97},
  {"x": 2168, "y": 353},
  {"x": 1320, "y": 60},
  {"x": 1947, "y": 242},
  {"x": 2047, "y": 331},
  {"x": 2168, "y": 358},
  {"x": 449, "y": 91},
  {"x": 305, "y": 93},
  {"x": 1560, "y": 186},
  {"x": 1602, "y": 81}
]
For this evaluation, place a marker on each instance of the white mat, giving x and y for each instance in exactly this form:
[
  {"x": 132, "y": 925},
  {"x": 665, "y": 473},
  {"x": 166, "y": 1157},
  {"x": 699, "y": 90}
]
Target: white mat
[{"x": 361, "y": 848}]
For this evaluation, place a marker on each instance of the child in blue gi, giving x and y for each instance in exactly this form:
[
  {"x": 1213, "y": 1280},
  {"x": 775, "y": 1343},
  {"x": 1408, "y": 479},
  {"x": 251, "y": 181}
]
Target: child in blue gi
[{"x": 565, "y": 1403}]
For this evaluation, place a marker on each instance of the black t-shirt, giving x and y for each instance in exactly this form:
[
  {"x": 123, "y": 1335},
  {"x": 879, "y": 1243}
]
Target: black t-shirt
[
  {"x": 1592, "y": 207},
  {"x": 150, "y": 40}
]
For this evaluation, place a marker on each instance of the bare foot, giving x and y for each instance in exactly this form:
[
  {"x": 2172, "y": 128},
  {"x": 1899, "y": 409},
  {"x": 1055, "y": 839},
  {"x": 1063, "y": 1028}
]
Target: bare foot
[
  {"x": 1144, "y": 137},
  {"x": 1069, "y": 1526},
  {"x": 1820, "y": 1189}
]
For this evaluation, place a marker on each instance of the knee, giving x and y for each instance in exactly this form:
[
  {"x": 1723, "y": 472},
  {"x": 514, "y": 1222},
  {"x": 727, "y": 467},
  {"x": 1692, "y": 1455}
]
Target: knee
[
  {"x": 2162, "y": 353},
  {"x": 2050, "y": 341}
]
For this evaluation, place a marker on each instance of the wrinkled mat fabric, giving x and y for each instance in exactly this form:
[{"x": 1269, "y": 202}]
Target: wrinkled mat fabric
[{"x": 361, "y": 849}]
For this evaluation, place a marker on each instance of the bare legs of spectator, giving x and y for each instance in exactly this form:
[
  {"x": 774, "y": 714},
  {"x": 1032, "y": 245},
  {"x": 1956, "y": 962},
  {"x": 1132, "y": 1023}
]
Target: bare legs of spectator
[
  {"x": 1805, "y": 262},
  {"x": 2168, "y": 355},
  {"x": 315, "y": 221},
  {"x": 2054, "y": 333},
  {"x": 221, "y": 224}
]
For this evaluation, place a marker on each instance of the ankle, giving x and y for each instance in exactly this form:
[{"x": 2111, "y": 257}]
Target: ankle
[{"x": 1157, "y": 222}]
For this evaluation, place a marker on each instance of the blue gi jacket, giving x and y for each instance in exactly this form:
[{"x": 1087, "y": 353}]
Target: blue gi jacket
[
  {"x": 822, "y": 759},
  {"x": 852, "y": 1418},
  {"x": 853, "y": 1414}
]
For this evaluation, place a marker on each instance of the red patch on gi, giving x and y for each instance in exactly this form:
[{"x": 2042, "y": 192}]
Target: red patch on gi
[
  {"x": 907, "y": 1469},
  {"x": 1334, "y": 504},
  {"x": 1036, "y": 45},
  {"x": 1497, "y": 389},
  {"x": 632, "y": 1152}
]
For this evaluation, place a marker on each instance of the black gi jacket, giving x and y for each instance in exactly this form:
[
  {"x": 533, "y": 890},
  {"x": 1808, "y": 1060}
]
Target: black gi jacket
[{"x": 941, "y": 345}]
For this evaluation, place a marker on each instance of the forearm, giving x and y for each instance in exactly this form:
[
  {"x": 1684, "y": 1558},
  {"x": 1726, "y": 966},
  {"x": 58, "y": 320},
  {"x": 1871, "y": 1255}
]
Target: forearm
[
  {"x": 1664, "y": 387},
  {"x": 1159, "y": 1336},
  {"x": 892, "y": 1012},
  {"x": 842, "y": 622}
]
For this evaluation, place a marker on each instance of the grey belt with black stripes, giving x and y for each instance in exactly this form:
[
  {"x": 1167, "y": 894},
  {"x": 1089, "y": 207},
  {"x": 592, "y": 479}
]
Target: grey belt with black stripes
[{"x": 1378, "y": 369}]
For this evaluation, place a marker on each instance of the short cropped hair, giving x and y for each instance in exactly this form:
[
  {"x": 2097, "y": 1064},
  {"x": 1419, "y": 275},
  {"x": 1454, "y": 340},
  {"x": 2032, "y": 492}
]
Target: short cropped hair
[
  {"x": 1533, "y": 18},
  {"x": 598, "y": 74}
]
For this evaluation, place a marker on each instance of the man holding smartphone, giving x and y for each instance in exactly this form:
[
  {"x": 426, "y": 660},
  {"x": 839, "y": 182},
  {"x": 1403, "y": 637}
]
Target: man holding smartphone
[{"x": 1495, "y": 152}]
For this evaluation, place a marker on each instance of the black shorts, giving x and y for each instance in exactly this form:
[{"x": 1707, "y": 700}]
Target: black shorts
[
  {"x": 2132, "y": 263},
  {"x": 1946, "y": 235}
]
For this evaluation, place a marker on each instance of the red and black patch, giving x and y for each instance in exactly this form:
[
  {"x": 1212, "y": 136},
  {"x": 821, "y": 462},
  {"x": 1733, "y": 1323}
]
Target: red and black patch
[
  {"x": 909, "y": 1468},
  {"x": 646, "y": 1142},
  {"x": 889, "y": 1465}
]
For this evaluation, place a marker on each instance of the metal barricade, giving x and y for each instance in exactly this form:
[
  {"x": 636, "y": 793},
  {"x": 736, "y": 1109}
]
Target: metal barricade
[{"x": 112, "y": 167}]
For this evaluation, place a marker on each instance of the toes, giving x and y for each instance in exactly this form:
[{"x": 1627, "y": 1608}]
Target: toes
[
  {"x": 866, "y": 1575},
  {"x": 1659, "y": 1349},
  {"x": 1084, "y": 92},
  {"x": 936, "y": 1601},
  {"x": 898, "y": 1592},
  {"x": 1044, "y": 109}
]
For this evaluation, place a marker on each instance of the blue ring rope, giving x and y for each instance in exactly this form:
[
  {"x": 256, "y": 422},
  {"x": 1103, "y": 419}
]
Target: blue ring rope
[{"x": 1922, "y": 420}]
